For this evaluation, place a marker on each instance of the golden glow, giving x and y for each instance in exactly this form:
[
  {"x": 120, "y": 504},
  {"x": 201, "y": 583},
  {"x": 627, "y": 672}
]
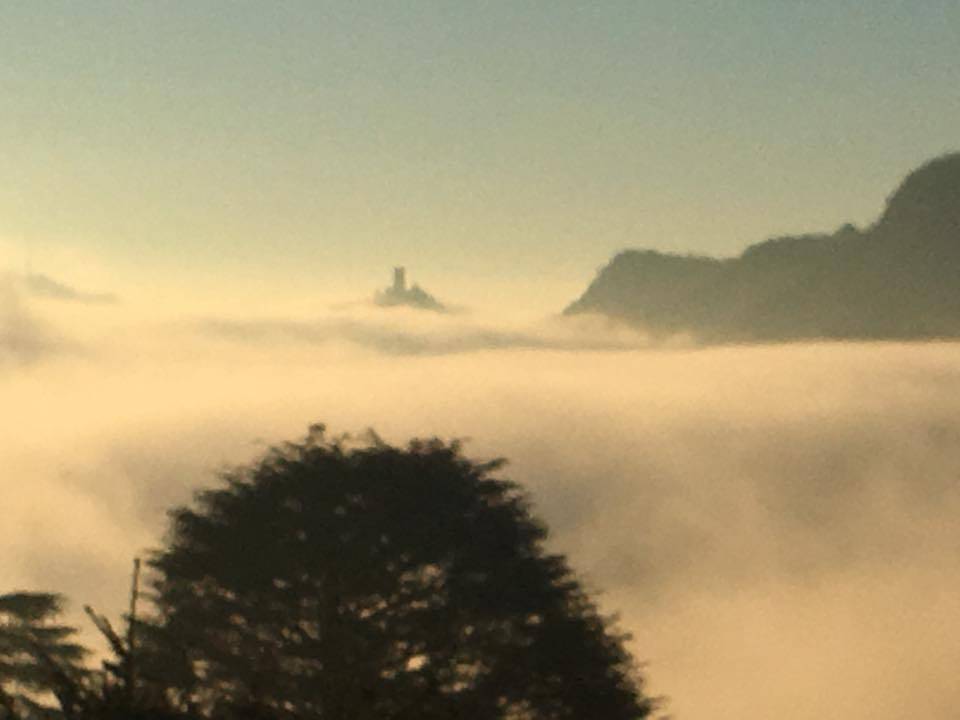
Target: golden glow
[{"x": 775, "y": 524}]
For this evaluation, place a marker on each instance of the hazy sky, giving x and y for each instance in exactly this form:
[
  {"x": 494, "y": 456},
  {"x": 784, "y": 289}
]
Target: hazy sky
[
  {"x": 302, "y": 148},
  {"x": 779, "y": 525}
]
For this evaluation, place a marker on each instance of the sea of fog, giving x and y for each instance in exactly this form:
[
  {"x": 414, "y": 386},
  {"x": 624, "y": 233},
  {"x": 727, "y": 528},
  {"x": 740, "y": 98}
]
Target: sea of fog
[{"x": 777, "y": 527}]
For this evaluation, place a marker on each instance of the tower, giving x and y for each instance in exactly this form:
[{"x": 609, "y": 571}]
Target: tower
[{"x": 399, "y": 280}]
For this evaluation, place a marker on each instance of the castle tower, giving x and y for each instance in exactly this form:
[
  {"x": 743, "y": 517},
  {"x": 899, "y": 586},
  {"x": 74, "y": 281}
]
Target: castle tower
[{"x": 399, "y": 280}]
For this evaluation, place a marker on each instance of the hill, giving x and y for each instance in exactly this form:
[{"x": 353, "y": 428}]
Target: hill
[
  {"x": 400, "y": 295},
  {"x": 897, "y": 279}
]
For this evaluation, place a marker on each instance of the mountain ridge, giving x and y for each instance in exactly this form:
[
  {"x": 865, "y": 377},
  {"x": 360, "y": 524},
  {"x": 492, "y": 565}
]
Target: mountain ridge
[{"x": 899, "y": 278}]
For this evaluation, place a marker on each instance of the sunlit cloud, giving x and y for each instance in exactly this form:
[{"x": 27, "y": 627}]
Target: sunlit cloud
[
  {"x": 770, "y": 522},
  {"x": 396, "y": 331},
  {"x": 45, "y": 286}
]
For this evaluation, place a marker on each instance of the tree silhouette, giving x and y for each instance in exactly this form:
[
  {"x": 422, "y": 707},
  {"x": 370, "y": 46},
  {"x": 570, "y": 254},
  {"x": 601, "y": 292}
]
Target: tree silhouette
[
  {"x": 338, "y": 581},
  {"x": 38, "y": 657}
]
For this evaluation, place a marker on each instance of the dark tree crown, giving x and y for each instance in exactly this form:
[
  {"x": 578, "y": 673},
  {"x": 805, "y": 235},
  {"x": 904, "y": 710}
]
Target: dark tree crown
[{"x": 339, "y": 580}]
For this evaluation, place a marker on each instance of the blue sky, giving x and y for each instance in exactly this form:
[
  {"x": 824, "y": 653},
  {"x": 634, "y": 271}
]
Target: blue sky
[{"x": 305, "y": 145}]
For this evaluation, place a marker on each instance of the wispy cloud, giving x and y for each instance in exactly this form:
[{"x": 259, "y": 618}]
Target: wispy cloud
[
  {"x": 44, "y": 286},
  {"x": 401, "y": 332},
  {"x": 24, "y": 338}
]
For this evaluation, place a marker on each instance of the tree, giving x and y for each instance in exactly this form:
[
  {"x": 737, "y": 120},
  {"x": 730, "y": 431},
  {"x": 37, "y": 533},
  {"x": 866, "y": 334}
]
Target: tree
[
  {"x": 38, "y": 657},
  {"x": 337, "y": 581},
  {"x": 42, "y": 671}
]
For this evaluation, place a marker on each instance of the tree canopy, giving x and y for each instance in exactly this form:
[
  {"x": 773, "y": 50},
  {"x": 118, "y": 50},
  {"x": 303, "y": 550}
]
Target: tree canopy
[
  {"x": 38, "y": 656},
  {"x": 338, "y": 580}
]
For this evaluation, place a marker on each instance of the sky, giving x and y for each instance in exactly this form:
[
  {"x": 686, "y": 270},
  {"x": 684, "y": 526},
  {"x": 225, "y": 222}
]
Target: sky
[
  {"x": 199, "y": 199},
  {"x": 247, "y": 155}
]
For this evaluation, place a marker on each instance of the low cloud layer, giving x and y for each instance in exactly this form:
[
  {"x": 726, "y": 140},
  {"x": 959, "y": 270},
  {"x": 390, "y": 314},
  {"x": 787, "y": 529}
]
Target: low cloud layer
[
  {"x": 777, "y": 526},
  {"x": 46, "y": 287},
  {"x": 401, "y": 331}
]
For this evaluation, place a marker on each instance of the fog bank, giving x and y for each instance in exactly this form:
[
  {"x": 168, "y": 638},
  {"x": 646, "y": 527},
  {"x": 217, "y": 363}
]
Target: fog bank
[{"x": 778, "y": 526}]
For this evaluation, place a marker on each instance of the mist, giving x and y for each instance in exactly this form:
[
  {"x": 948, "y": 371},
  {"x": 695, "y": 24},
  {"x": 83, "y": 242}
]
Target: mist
[{"x": 777, "y": 526}]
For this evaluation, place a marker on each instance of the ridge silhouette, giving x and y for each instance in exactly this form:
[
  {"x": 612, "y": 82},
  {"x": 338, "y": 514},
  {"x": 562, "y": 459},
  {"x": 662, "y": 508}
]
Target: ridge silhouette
[{"x": 896, "y": 279}]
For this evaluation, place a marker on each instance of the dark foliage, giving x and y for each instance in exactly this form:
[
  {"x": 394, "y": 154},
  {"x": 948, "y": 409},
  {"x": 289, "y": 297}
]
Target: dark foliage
[
  {"x": 43, "y": 675},
  {"x": 39, "y": 661},
  {"x": 338, "y": 581}
]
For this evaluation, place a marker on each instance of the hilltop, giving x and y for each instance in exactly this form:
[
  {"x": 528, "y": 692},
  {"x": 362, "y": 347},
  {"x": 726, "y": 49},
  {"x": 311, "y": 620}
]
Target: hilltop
[
  {"x": 897, "y": 279},
  {"x": 414, "y": 296}
]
